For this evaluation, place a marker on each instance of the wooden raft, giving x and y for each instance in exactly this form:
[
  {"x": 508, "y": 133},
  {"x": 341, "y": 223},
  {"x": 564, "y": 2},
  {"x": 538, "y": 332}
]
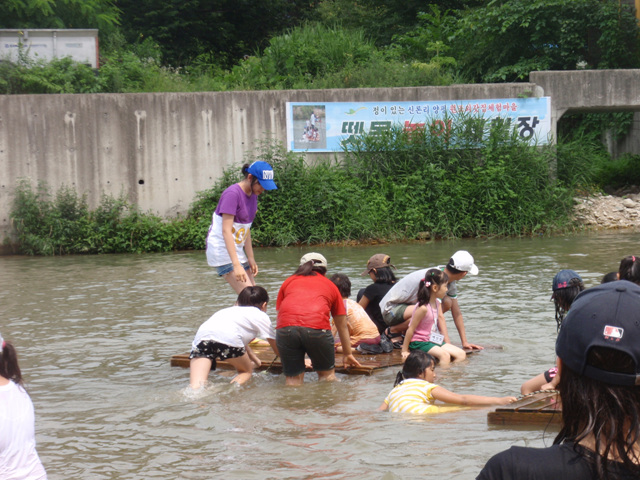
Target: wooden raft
[
  {"x": 369, "y": 363},
  {"x": 538, "y": 408}
]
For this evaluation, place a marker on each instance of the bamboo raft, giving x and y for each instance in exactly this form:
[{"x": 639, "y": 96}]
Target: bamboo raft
[
  {"x": 537, "y": 408},
  {"x": 369, "y": 364}
]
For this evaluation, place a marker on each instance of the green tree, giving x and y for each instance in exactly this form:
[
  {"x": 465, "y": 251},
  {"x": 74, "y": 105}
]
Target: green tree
[
  {"x": 222, "y": 30},
  {"x": 505, "y": 40},
  {"x": 101, "y": 14},
  {"x": 383, "y": 19}
]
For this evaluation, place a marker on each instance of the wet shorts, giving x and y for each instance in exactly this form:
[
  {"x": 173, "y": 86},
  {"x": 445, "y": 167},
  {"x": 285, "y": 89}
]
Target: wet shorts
[
  {"x": 294, "y": 342},
  {"x": 550, "y": 374},
  {"x": 228, "y": 268},
  {"x": 215, "y": 350},
  {"x": 396, "y": 315},
  {"x": 424, "y": 346}
]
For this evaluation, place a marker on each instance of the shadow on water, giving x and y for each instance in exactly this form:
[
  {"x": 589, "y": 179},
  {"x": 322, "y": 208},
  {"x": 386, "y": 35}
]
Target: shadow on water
[{"x": 95, "y": 334}]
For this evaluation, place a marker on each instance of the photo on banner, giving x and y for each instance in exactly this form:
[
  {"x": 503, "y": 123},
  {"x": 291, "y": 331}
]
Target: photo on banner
[{"x": 325, "y": 127}]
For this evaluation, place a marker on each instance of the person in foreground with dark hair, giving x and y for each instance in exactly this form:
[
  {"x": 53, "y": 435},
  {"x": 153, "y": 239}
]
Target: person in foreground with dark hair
[
  {"x": 18, "y": 455},
  {"x": 306, "y": 301},
  {"x": 598, "y": 350},
  {"x": 226, "y": 336}
]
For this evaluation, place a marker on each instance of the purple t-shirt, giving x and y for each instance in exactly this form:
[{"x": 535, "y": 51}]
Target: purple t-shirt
[{"x": 234, "y": 201}]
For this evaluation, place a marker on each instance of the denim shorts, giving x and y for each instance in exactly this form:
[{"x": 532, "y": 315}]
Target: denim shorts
[
  {"x": 228, "y": 268},
  {"x": 396, "y": 315},
  {"x": 294, "y": 342}
]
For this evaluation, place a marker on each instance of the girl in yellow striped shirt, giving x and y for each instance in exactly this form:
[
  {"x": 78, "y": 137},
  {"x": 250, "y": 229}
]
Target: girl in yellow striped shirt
[{"x": 415, "y": 392}]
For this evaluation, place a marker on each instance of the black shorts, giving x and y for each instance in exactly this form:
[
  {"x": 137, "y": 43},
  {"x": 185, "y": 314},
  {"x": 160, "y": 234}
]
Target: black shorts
[
  {"x": 214, "y": 350},
  {"x": 294, "y": 342}
]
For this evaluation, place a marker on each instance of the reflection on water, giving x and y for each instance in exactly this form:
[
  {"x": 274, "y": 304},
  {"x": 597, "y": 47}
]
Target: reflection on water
[{"x": 95, "y": 335}]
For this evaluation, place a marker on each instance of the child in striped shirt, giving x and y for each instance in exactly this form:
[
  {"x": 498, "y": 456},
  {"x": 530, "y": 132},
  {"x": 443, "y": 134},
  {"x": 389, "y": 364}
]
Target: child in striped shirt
[{"x": 415, "y": 392}]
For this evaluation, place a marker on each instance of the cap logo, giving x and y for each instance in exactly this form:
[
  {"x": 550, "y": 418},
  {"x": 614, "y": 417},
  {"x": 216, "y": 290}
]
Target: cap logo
[
  {"x": 562, "y": 285},
  {"x": 613, "y": 333},
  {"x": 267, "y": 174}
]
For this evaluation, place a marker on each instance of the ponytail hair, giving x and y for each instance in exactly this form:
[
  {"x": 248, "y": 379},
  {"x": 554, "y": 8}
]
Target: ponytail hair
[
  {"x": 245, "y": 173},
  {"x": 310, "y": 268},
  {"x": 434, "y": 276},
  {"x": 416, "y": 363},
  {"x": 9, "y": 367},
  {"x": 630, "y": 269}
]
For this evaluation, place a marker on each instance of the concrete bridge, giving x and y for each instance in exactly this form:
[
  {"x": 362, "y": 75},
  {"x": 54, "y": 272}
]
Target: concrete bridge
[{"x": 159, "y": 149}]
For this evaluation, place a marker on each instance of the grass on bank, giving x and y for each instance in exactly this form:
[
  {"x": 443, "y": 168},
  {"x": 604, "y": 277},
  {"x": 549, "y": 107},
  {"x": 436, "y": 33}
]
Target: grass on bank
[{"x": 396, "y": 186}]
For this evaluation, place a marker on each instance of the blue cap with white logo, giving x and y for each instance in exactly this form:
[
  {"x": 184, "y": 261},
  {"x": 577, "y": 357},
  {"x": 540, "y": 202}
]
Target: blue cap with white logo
[{"x": 263, "y": 173}]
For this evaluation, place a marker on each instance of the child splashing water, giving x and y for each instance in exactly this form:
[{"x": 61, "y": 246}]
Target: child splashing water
[
  {"x": 415, "y": 392},
  {"x": 423, "y": 332}
]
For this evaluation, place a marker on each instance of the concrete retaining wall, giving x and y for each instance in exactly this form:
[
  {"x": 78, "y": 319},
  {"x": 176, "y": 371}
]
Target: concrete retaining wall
[{"x": 159, "y": 149}]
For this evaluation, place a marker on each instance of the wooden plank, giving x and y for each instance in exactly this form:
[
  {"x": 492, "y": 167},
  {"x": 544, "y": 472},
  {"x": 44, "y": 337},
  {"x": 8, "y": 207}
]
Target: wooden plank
[
  {"x": 539, "y": 408},
  {"x": 524, "y": 418},
  {"x": 369, "y": 363}
]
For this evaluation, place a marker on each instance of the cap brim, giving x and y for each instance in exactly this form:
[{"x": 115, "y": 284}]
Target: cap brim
[
  {"x": 474, "y": 270},
  {"x": 268, "y": 184}
]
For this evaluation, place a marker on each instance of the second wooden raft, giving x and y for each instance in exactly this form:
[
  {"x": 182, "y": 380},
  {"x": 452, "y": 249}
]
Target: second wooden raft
[{"x": 538, "y": 408}]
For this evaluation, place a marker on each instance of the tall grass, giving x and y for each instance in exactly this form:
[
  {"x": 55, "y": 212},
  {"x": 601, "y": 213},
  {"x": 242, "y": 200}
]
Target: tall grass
[{"x": 396, "y": 186}]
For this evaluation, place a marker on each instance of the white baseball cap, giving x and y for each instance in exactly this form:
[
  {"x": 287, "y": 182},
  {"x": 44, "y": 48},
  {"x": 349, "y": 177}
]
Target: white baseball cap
[{"x": 463, "y": 261}]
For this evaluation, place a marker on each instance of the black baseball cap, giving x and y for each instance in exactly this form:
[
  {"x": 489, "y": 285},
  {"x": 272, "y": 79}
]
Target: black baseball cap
[{"x": 607, "y": 315}]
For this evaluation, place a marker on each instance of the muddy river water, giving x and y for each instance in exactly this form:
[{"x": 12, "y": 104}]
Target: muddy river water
[{"x": 95, "y": 335}]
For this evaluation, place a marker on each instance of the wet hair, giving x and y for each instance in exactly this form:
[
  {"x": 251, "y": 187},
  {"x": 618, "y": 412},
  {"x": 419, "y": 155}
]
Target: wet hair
[
  {"x": 384, "y": 275},
  {"x": 609, "y": 277},
  {"x": 630, "y": 269},
  {"x": 310, "y": 268},
  {"x": 252, "y": 297},
  {"x": 343, "y": 283},
  {"x": 431, "y": 277},
  {"x": 9, "y": 367},
  {"x": 608, "y": 413},
  {"x": 564, "y": 297},
  {"x": 416, "y": 363},
  {"x": 245, "y": 173}
]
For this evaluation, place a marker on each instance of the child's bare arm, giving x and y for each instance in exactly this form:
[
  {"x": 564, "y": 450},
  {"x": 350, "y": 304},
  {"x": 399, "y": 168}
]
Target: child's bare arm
[
  {"x": 274, "y": 347},
  {"x": 418, "y": 314},
  {"x": 446, "y": 396},
  {"x": 363, "y": 302},
  {"x": 253, "y": 357},
  {"x": 384, "y": 407}
]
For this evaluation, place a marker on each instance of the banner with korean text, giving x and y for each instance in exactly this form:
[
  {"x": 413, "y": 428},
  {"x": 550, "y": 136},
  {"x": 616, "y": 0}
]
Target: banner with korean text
[{"x": 324, "y": 127}]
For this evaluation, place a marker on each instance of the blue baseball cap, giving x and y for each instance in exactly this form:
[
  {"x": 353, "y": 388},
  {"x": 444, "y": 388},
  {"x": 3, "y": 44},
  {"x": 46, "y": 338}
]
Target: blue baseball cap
[
  {"x": 263, "y": 173},
  {"x": 562, "y": 279}
]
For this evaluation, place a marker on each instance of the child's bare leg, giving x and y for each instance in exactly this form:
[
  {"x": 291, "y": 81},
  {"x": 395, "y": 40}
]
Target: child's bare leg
[
  {"x": 457, "y": 354},
  {"x": 533, "y": 384},
  {"x": 199, "y": 369},
  {"x": 239, "y": 285},
  {"x": 295, "y": 381},
  {"x": 244, "y": 368},
  {"x": 327, "y": 375},
  {"x": 441, "y": 354}
]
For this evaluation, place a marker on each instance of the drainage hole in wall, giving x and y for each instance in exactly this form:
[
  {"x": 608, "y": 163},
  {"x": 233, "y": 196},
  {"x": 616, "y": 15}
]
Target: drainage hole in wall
[{"x": 140, "y": 182}]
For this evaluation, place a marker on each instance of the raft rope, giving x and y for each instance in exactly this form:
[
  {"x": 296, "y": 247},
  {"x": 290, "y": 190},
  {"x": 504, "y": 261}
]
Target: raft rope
[
  {"x": 522, "y": 397},
  {"x": 271, "y": 364}
]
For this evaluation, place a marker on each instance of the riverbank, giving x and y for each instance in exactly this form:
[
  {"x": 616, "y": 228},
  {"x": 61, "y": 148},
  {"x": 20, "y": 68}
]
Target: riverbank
[{"x": 621, "y": 210}]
